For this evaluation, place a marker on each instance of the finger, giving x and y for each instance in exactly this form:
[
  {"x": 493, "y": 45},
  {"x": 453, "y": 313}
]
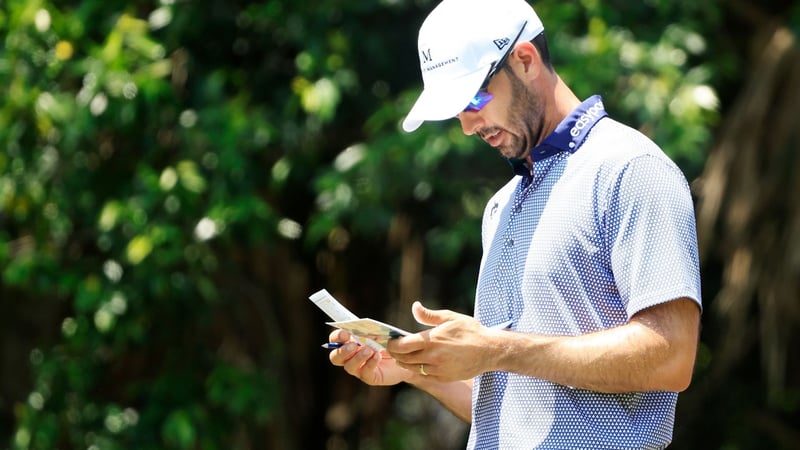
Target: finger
[
  {"x": 341, "y": 355},
  {"x": 357, "y": 360},
  {"x": 339, "y": 335},
  {"x": 433, "y": 317},
  {"x": 371, "y": 364},
  {"x": 408, "y": 344},
  {"x": 415, "y": 367}
]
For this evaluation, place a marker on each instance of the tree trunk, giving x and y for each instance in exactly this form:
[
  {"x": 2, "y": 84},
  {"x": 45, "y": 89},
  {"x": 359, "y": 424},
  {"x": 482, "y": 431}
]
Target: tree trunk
[{"x": 749, "y": 224}]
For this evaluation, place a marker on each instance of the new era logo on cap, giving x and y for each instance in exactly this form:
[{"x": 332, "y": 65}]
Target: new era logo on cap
[{"x": 501, "y": 43}]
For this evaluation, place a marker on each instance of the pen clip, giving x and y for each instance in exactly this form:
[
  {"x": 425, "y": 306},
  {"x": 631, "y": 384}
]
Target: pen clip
[{"x": 503, "y": 325}]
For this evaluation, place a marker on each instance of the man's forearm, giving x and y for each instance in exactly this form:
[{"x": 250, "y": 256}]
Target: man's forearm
[
  {"x": 655, "y": 351},
  {"x": 454, "y": 395}
]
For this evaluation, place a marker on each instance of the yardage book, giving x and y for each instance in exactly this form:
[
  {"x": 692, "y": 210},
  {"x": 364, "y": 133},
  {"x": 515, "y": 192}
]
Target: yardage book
[{"x": 366, "y": 331}]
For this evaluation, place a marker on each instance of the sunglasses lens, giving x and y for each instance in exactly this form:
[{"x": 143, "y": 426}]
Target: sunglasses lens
[{"x": 479, "y": 101}]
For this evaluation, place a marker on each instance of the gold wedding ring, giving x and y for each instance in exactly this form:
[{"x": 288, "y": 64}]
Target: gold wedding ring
[{"x": 422, "y": 369}]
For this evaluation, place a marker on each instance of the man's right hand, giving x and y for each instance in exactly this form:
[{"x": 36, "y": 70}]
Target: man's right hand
[{"x": 371, "y": 367}]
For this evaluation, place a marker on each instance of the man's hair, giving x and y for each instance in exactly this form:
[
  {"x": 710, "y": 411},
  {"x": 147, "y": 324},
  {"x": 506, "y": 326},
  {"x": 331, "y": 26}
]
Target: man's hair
[{"x": 540, "y": 42}]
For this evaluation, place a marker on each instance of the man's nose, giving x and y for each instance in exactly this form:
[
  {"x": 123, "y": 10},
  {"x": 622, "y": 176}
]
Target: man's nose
[{"x": 470, "y": 121}]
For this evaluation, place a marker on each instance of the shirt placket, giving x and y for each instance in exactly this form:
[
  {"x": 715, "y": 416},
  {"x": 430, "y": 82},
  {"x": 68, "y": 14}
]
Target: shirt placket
[
  {"x": 508, "y": 277},
  {"x": 508, "y": 301}
]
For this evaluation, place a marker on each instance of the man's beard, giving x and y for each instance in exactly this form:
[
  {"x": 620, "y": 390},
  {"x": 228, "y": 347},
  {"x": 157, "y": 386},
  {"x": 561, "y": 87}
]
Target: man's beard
[{"x": 525, "y": 120}]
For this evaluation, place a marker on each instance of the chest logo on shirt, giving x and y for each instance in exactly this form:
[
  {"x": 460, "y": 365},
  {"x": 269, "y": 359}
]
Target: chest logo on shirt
[{"x": 493, "y": 210}]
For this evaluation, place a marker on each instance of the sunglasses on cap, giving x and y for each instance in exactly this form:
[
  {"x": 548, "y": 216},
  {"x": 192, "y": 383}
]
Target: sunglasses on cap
[{"x": 483, "y": 96}]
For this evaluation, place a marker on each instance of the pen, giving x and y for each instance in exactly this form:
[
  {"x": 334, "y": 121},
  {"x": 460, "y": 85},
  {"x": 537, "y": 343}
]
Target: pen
[{"x": 333, "y": 345}]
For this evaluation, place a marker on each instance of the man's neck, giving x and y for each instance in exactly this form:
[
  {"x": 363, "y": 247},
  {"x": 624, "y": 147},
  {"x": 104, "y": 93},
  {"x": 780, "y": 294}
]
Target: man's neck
[{"x": 564, "y": 102}]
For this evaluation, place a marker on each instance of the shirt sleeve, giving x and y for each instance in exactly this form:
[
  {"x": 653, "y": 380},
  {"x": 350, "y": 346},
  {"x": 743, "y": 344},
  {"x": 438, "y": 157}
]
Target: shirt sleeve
[{"x": 652, "y": 234}]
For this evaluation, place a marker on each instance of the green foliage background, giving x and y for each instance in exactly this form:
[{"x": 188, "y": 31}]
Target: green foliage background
[{"x": 178, "y": 176}]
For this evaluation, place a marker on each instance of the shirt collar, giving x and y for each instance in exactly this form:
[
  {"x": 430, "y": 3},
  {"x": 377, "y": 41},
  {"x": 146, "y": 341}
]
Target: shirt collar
[{"x": 568, "y": 135}]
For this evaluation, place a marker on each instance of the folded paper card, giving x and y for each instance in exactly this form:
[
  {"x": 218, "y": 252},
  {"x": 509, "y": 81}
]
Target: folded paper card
[{"x": 366, "y": 331}]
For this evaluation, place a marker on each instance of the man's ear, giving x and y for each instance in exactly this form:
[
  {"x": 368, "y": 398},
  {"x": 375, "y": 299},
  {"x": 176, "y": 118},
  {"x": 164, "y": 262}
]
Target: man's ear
[{"x": 529, "y": 59}]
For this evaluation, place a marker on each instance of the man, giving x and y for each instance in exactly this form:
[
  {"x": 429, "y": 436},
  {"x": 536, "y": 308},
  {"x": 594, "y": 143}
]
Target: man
[{"x": 588, "y": 300}]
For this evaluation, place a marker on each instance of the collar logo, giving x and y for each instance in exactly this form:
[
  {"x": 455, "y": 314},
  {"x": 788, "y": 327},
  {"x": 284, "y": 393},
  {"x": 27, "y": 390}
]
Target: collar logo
[{"x": 501, "y": 43}]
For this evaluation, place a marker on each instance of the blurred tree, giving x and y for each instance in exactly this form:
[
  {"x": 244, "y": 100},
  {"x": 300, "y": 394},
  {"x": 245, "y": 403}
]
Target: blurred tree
[{"x": 749, "y": 225}]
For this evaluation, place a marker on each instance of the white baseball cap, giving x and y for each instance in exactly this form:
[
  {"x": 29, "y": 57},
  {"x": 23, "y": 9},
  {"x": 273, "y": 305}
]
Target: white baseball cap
[{"x": 459, "y": 42}]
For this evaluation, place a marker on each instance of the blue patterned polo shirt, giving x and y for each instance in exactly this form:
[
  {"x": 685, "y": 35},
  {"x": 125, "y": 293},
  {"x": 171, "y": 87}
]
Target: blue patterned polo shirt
[{"x": 601, "y": 228}]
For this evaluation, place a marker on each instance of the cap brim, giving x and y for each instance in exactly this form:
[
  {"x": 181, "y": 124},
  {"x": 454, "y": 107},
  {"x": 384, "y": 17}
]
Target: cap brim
[{"x": 444, "y": 100}]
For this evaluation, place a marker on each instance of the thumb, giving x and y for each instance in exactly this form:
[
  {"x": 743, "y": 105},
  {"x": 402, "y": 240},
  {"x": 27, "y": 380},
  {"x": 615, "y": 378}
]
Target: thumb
[{"x": 431, "y": 317}]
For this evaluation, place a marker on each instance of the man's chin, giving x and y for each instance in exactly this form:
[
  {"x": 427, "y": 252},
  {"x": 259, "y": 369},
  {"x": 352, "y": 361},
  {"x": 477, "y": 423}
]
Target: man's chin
[{"x": 510, "y": 153}]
